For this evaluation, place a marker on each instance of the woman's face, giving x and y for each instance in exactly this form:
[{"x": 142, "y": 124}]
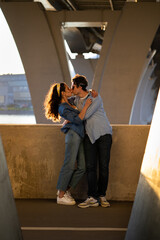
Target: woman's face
[{"x": 68, "y": 92}]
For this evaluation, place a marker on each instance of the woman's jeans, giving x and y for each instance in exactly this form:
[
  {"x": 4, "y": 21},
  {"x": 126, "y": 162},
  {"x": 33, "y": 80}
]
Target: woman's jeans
[
  {"x": 74, "y": 153},
  {"x": 97, "y": 152}
]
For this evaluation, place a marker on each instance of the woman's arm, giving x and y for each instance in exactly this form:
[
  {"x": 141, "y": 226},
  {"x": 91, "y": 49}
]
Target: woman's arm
[
  {"x": 83, "y": 112},
  {"x": 73, "y": 116},
  {"x": 70, "y": 115}
]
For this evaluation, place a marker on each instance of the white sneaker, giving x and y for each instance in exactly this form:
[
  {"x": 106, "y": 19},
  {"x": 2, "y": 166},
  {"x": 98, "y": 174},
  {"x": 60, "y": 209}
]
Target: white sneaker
[
  {"x": 89, "y": 202},
  {"x": 104, "y": 202},
  {"x": 65, "y": 200},
  {"x": 68, "y": 194}
]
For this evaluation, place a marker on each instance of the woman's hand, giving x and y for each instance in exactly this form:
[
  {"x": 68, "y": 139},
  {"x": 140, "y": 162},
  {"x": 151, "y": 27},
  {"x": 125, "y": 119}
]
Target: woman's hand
[
  {"x": 94, "y": 93},
  {"x": 65, "y": 122},
  {"x": 88, "y": 102},
  {"x": 86, "y": 105}
]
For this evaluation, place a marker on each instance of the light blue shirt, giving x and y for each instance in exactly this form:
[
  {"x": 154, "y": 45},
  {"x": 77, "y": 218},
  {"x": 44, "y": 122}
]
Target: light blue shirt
[{"x": 97, "y": 123}]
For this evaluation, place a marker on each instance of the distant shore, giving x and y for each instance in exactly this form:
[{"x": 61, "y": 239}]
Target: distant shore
[{"x": 16, "y": 112}]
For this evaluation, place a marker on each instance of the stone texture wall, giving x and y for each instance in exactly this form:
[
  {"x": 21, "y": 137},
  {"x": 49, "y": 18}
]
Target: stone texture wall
[{"x": 35, "y": 154}]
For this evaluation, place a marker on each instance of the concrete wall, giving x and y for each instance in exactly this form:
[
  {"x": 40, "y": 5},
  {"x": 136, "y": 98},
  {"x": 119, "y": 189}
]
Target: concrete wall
[{"x": 35, "y": 155}]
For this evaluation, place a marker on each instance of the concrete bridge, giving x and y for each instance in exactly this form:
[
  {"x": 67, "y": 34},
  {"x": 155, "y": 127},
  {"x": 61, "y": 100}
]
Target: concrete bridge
[{"x": 125, "y": 76}]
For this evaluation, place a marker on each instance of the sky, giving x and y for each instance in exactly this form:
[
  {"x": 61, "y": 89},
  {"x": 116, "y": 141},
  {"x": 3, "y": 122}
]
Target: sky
[{"x": 10, "y": 61}]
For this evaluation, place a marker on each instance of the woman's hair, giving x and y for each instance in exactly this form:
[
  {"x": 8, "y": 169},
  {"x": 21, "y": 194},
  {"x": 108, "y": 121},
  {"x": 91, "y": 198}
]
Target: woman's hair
[
  {"x": 52, "y": 101},
  {"x": 80, "y": 80}
]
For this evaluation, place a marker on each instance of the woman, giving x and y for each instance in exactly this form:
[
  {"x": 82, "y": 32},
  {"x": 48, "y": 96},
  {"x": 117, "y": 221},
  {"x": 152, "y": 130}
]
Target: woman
[{"x": 56, "y": 106}]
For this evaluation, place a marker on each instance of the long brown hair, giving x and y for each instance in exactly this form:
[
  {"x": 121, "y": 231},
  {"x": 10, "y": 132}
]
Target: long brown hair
[{"x": 52, "y": 101}]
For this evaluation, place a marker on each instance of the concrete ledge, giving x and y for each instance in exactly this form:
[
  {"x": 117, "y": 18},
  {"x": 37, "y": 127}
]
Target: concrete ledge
[{"x": 35, "y": 155}]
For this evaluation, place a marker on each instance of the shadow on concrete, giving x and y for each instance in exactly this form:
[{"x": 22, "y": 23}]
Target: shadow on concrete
[{"x": 9, "y": 224}]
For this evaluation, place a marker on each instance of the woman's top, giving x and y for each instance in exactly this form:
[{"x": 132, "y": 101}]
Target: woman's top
[{"x": 71, "y": 114}]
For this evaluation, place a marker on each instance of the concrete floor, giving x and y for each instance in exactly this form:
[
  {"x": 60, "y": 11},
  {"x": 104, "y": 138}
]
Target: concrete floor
[{"x": 45, "y": 220}]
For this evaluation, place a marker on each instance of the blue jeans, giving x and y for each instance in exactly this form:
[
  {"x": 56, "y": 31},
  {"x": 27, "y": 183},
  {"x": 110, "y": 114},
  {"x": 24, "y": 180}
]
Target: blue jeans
[
  {"x": 97, "y": 152},
  {"x": 74, "y": 153}
]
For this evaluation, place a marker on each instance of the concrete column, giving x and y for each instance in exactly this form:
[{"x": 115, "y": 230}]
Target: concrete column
[
  {"x": 144, "y": 102},
  {"x": 85, "y": 67},
  {"x": 144, "y": 222},
  {"x": 123, "y": 62},
  {"x": 41, "y": 48}
]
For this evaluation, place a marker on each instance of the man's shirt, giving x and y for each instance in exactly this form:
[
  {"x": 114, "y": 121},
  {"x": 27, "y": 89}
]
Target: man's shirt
[{"x": 96, "y": 121}]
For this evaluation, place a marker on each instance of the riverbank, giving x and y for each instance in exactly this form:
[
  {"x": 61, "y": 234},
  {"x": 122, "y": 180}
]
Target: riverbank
[{"x": 16, "y": 112}]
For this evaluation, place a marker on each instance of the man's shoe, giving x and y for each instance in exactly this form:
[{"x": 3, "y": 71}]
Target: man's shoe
[
  {"x": 65, "y": 200},
  {"x": 104, "y": 202},
  {"x": 89, "y": 202}
]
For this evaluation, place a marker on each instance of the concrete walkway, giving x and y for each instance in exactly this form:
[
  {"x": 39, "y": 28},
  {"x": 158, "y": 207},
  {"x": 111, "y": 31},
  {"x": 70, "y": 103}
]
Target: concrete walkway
[{"x": 45, "y": 220}]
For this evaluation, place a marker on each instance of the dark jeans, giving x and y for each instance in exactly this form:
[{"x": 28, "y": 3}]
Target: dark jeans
[{"x": 97, "y": 152}]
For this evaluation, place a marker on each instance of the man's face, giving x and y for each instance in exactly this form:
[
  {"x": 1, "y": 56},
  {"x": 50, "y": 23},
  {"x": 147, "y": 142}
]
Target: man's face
[{"x": 75, "y": 90}]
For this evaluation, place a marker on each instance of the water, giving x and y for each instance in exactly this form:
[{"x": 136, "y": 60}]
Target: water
[{"x": 17, "y": 119}]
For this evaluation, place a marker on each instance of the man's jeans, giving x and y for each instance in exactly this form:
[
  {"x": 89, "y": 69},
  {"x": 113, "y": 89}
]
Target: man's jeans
[
  {"x": 97, "y": 152},
  {"x": 74, "y": 152}
]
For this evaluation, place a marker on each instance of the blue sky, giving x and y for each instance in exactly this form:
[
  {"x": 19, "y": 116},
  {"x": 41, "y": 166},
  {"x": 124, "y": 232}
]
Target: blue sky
[{"x": 10, "y": 62}]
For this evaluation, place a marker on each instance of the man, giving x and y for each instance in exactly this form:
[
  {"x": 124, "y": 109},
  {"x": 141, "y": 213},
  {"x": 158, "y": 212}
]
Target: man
[{"x": 97, "y": 143}]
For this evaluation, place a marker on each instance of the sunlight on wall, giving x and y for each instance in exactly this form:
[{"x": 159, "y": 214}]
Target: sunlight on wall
[{"x": 151, "y": 162}]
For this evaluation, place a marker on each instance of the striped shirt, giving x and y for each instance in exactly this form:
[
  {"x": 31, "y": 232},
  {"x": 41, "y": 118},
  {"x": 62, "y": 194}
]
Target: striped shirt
[{"x": 96, "y": 121}]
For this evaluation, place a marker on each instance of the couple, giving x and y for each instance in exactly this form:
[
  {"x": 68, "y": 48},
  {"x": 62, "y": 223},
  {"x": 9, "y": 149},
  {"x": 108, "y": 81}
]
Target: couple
[{"x": 94, "y": 142}]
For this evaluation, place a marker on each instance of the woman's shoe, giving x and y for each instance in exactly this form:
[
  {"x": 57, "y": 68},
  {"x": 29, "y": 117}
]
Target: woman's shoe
[{"x": 65, "y": 200}]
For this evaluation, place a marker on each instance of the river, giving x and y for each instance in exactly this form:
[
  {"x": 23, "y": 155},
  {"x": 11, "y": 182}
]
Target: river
[{"x": 17, "y": 119}]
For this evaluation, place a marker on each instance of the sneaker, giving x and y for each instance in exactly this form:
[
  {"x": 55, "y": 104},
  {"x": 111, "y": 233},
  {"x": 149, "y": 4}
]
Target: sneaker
[
  {"x": 65, "y": 200},
  {"x": 69, "y": 195},
  {"x": 104, "y": 202},
  {"x": 89, "y": 202}
]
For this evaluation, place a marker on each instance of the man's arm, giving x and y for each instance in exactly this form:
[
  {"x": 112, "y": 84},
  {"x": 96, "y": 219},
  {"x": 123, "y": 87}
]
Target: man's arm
[{"x": 96, "y": 103}]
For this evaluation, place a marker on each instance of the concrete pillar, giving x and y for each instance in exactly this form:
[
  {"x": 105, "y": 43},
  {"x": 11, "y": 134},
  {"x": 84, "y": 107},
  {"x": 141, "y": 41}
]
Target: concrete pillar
[
  {"x": 85, "y": 67},
  {"x": 122, "y": 60},
  {"x": 144, "y": 102},
  {"x": 144, "y": 222},
  {"x": 41, "y": 48}
]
